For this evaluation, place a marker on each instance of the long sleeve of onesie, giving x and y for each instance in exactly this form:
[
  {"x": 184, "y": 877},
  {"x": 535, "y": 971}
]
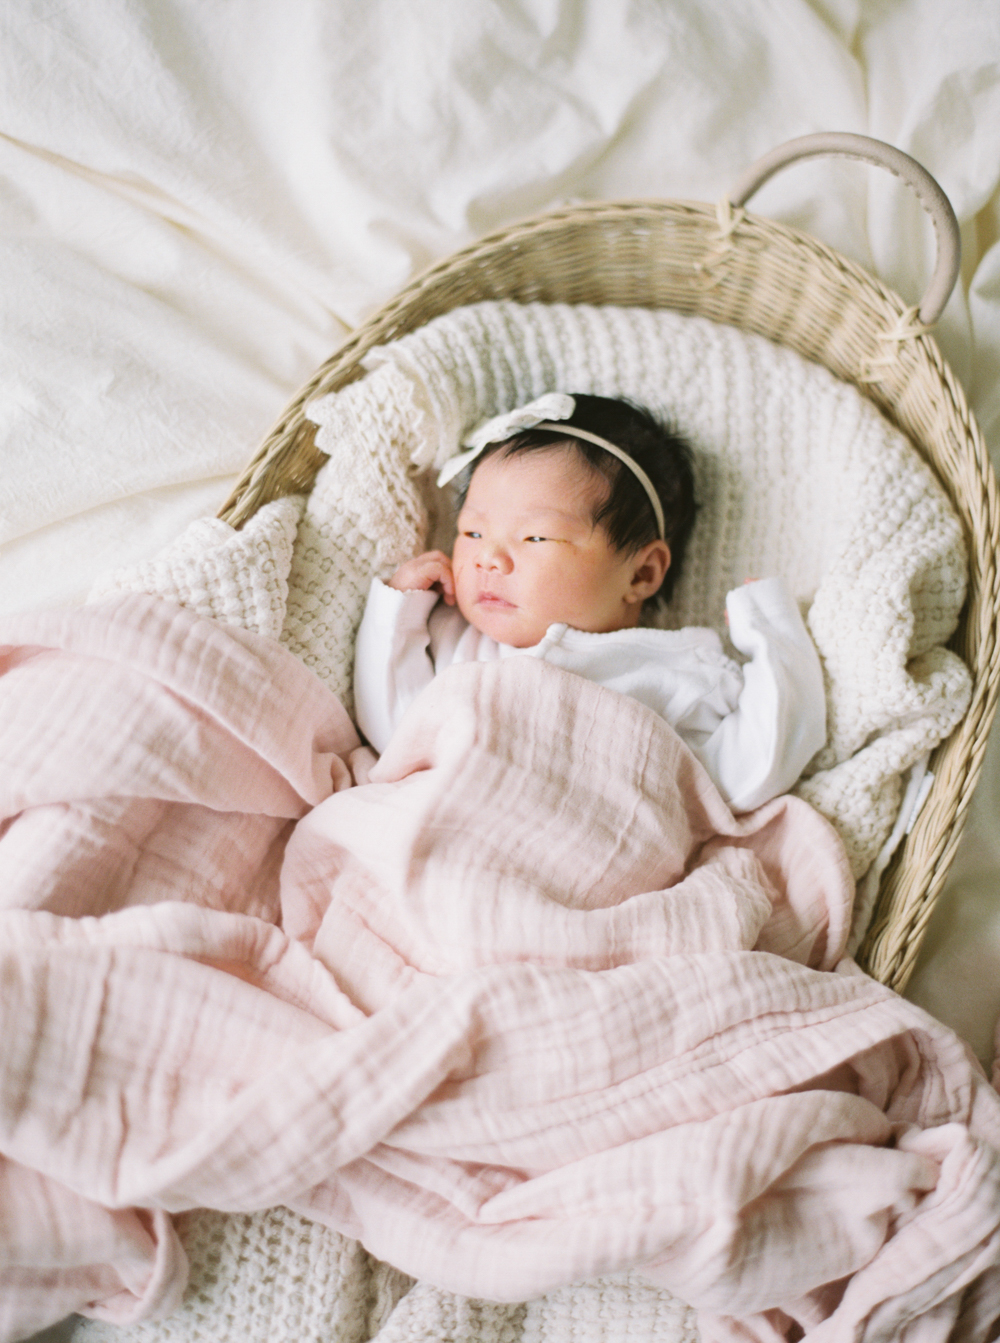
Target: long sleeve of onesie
[
  {"x": 405, "y": 639},
  {"x": 779, "y": 723},
  {"x": 392, "y": 660}
]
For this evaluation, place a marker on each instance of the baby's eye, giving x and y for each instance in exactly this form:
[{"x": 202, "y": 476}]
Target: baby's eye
[
  {"x": 536, "y": 538},
  {"x": 475, "y": 536}
]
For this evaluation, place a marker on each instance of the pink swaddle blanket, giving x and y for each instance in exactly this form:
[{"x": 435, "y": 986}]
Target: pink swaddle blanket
[{"x": 527, "y": 1006}]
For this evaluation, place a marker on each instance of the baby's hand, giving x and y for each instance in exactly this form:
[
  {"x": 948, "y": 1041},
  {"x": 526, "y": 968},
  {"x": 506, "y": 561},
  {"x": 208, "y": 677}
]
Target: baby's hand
[{"x": 431, "y": 570}]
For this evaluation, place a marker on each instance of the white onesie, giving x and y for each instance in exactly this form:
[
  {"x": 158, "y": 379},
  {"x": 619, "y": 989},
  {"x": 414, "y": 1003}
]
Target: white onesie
[{"x": 754, "y": 728}]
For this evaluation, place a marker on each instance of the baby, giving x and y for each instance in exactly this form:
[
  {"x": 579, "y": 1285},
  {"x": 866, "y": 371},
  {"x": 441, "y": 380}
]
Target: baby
[{"x": 573, "y": 517}]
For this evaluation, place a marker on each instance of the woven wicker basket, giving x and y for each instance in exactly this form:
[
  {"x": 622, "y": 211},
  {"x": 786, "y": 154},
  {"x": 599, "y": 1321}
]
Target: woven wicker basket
[{"x": 763, "y": 277}]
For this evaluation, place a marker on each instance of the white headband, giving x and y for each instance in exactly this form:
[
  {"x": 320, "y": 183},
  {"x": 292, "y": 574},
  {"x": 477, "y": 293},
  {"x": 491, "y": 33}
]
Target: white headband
[{"x": 540, "y": 414}]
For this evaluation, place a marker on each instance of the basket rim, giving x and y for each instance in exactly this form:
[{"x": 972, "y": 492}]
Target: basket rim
[
  {"x": 377, "y": 325},
  {"x": 589, "y": 212}
]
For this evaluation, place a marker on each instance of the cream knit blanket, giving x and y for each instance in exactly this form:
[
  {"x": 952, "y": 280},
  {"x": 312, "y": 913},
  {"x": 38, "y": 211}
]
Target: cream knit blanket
[{"x": 797, "y": 474}]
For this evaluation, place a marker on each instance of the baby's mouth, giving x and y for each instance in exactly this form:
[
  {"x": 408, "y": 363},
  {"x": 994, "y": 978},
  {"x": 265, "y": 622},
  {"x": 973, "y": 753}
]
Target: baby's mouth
[{"x": 494, "y": 600}]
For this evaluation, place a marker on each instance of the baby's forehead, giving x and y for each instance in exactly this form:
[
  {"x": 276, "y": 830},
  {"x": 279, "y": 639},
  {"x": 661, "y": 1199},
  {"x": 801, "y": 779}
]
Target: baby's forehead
[{"x": 550, "y": 475}]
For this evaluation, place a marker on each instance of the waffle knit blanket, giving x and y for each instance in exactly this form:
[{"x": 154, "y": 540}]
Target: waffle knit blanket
[{"x": 539, "y": 1007}]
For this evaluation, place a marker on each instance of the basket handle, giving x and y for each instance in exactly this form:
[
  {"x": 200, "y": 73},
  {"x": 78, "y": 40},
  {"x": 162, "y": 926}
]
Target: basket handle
[{"x": 843, "y": 145}]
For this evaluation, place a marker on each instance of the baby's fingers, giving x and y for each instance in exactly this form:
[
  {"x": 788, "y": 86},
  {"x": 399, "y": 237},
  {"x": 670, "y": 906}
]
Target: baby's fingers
[
  {"x": 416, "y": 575},
  {"x": 447, "y": 585},
  {"x": 438, "y": 567},
  {"x": 430, "y": 570}
]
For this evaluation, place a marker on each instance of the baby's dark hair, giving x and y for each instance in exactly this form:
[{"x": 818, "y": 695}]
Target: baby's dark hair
[{"x": 626, "y": 513}]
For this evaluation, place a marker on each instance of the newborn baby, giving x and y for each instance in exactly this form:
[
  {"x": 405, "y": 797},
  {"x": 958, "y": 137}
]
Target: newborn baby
[{"x": 574, "y": 513}]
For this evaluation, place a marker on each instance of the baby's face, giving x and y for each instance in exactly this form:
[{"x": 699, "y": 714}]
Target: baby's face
[{"x": 527, "y": 554}]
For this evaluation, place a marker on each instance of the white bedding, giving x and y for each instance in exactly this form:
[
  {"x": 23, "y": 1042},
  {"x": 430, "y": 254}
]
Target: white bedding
[{"x": 197, "y": 201}]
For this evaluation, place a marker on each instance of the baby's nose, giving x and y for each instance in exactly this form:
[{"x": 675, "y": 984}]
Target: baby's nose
[{"x": 495, "y": 556}]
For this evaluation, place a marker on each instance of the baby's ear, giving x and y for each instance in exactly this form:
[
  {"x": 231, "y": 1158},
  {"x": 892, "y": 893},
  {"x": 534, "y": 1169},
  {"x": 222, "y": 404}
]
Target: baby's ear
[{"x": 649, "y": 569}]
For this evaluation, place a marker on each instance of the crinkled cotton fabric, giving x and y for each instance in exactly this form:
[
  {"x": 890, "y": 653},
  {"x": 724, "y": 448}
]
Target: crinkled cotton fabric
[{"x": 519, "y": 1026}]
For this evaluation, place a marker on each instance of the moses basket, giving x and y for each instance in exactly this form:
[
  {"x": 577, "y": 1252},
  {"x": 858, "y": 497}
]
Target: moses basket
[{"x": 735, "y": 268}]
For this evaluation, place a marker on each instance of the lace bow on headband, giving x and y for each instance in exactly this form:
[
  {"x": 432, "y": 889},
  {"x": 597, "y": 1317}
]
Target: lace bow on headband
[{"x": 542, "y": 413}]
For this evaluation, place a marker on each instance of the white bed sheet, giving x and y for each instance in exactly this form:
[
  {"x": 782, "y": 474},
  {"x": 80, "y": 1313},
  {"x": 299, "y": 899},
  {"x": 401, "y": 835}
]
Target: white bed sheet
[{"x": 198, "y": 201}]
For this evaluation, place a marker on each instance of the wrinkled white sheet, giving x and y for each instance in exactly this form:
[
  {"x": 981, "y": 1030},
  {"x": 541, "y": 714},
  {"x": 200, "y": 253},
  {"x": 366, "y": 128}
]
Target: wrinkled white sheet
[{"x": 197, "y": 200}]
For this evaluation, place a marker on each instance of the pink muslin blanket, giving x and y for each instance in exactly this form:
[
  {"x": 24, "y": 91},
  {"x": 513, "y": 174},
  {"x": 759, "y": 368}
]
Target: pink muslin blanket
[{"x": 526, "y": 1006}]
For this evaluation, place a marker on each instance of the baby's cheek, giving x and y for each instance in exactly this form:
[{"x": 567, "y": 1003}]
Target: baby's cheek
[{"x": 464, "y": 599}]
